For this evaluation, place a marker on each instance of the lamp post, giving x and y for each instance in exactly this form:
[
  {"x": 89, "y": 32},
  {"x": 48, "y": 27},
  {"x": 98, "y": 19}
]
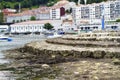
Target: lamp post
[
  {"x": 103, "y": 20},
  {"x": 79, "y": 2},
  {"x": 85, "y": 1}
]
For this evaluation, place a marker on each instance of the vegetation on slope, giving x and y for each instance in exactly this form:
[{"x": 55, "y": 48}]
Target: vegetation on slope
[{"x": 34, "y": 3}]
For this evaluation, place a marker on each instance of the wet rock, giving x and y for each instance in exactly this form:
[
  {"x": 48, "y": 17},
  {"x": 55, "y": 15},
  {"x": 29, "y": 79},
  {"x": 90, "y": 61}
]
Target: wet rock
[
  {"x": 86, "y": 54},
  {"x": 110, "y": 55},
  {"x": 45, "y": 66},
  {"x": 76, "y": 73},
  {"x": 116, "y": 62},
  {"x": 99, "y": 54},
  {"x": 95, "y": 78},
  {"x": 85, "y": 76}
]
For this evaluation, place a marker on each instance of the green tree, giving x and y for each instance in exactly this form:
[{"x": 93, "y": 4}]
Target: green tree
[
  {"x": 33, "y": 18},
  {"x": 50, "y": 4},
  {"x": 118, "y": 20},
  {"x": 13, "y": 21},
  {"x": 21, "y": 20},
  {"x": 48, "y": 26},
  {"x": 82, "y": 2},
  {"x": 1, "y": 18},
  {"x": 68, "y": 11},
  {"x": 31, "y": 3},
  {"x": 89, "y": 1},
  {"x": 17, "y": 21}
]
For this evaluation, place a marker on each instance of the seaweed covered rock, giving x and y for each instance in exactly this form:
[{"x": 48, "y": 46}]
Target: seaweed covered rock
[
  {"x": 116, "y": 61},
  {"x": 99, "y": 54}
]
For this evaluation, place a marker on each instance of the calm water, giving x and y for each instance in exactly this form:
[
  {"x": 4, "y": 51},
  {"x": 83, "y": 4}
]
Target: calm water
[{"x": 18, "y": 41}]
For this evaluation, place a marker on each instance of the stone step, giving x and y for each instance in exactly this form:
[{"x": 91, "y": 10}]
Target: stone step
[
  {"x": 78, "y": 43},
  {"x": 99, "y": 38}
]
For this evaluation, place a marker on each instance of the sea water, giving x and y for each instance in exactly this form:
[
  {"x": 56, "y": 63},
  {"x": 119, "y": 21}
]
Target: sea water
[{"x": 17, "y": 41}]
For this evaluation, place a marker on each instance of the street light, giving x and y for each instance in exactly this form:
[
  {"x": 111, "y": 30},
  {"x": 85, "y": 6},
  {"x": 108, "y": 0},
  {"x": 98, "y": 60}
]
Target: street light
[{"x": 85, "y": 1}]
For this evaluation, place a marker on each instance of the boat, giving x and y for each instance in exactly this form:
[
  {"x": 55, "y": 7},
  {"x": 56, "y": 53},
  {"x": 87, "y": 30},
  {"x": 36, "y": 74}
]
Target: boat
[
  {"x": 2, "y": 37},
  {"x": 55, "y": 35}
]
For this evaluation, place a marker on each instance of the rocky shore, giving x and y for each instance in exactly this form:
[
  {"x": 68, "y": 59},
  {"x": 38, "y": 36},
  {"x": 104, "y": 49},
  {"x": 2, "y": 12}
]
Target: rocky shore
[{"x": 67, "y": 58}]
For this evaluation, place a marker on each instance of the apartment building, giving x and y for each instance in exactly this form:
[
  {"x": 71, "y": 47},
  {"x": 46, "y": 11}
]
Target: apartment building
[
  {"x": 56, "y": 12},
  {"x": 92, "y": 13},
  {"x": 42, "y": 13}
]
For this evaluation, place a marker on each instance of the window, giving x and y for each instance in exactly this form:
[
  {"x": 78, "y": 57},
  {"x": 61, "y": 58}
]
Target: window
[
  {"x": 114, "y": 27},
  {"x": 12, "y": 28},
  {"x": 81, "y": 28},
  {"x": 17, "y": 28},
  {"x": 35, "y": 27}
]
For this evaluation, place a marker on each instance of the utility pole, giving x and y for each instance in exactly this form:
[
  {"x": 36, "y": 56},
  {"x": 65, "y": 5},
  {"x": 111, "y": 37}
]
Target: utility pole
[
  {"x": 103, "y": 20},
  {"x": 79, "y": 2},
  {"x": 19, "y": 8},
  {"x": 85, "y": 1}
]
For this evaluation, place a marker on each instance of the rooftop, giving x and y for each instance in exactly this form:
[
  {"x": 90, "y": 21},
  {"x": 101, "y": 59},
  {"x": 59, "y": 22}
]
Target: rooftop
[{"x": 37, "y": 22}]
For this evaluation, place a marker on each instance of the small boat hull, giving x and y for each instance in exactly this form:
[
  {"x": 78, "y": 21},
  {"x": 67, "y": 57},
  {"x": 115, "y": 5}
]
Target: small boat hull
[
  {"x": 4, "y": 38},
  {"x": 7, "y": 39},
  {"x": 54, "y": 36}
]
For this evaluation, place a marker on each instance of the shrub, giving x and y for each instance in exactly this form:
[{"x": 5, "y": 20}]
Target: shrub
[{"x": 118, "y": 20}]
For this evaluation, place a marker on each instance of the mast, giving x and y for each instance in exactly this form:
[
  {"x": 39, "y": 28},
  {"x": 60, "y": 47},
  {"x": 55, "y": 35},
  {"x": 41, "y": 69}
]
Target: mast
[
  {"x": 85, "y": 1},
  {"x": 19, "y": 8},
  {"x": 79, "y": 2}
]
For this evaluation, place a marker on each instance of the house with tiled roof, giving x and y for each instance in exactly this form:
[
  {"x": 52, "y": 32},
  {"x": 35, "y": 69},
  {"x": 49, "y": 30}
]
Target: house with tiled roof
[
  {"x": 19, "y": 17},
  {"x": 42, "y": 13}
]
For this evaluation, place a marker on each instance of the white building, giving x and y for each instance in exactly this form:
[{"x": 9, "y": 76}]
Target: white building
[
  {"x": 43, "y": 13},
  {"x": 4, "y": 27},
  {"x": 43, "y": 16},
  {"x": 92, "y": 13},
  {"x": 33, "y": 26},
  {"x": 20, "y": 17},
  {"x": 38, "y": 26},
  {"x": 92, "y": 27},
  {"x": 68, "y": 25},
  {"x": 55, "y": 13},
  {"x": 26, "y": 27}
]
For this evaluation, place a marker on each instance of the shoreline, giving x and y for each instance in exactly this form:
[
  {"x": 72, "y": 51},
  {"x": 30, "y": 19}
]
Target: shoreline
[
  {"x": 52, "y": 60},
  {"x": 77, "y": 69}
]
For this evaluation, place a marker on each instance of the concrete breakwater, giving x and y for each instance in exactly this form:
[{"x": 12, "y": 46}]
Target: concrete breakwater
[
  {"x": 61, "y": 50},
  {"x": 67, "y": 59}
]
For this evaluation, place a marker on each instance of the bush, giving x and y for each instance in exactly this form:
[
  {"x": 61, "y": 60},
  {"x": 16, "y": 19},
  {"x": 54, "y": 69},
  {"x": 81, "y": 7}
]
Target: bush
[
  {"x": 48, "y": 26},
  {"x": 33, "y": 18},
  {"x": 118, "y": 20}
]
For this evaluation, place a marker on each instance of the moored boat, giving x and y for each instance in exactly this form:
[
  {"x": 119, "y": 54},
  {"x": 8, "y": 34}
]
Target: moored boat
[
  {"x": 2, "y": 37},
  {"x": 55, "y": 35}
]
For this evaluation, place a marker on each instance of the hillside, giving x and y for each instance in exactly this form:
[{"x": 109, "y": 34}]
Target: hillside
[{"x": 35, "y": 3}]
